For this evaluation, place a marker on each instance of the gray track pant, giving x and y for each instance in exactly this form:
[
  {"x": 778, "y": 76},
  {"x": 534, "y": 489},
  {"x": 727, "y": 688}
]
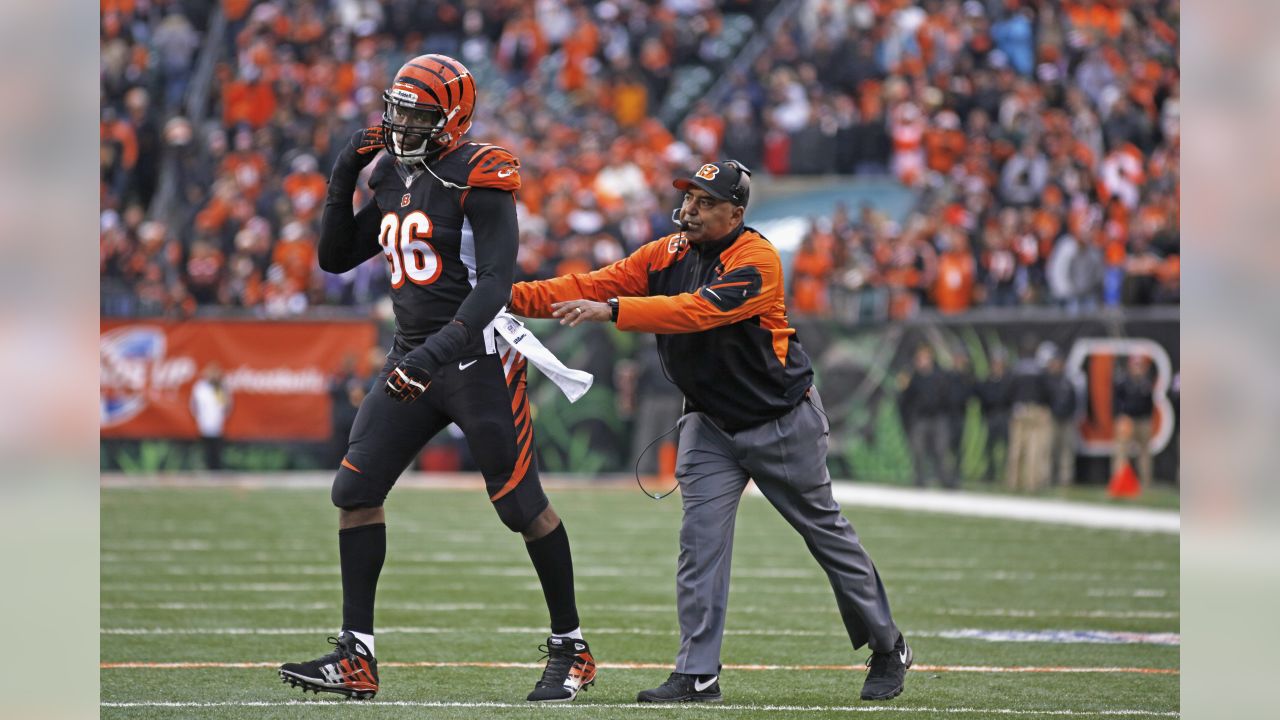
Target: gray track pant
[{"x": 787, "y": 458}]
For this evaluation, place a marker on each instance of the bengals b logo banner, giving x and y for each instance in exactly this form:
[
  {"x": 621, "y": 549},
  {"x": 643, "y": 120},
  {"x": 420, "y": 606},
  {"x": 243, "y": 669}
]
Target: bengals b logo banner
[{"x": 1091, "y": 366}]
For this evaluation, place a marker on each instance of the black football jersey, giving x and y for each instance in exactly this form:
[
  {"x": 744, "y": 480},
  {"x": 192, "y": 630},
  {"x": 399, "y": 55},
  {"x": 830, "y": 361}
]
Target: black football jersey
[{"x": 427, "y": 239}]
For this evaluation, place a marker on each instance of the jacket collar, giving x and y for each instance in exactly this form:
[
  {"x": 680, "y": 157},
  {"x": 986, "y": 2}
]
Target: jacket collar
[{"x": 715, "y": 247}]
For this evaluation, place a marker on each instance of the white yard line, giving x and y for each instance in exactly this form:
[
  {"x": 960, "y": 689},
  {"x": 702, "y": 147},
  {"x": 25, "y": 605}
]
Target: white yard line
[
  {"x": 1005, "y": 507},
  {"x": 1068, "y": 637},
  {"x": 122, "y": 571},
  {"x": 659, "y": 666},
  {"x": 588, "y": 707},
  {"x": 641, "y": 609}
]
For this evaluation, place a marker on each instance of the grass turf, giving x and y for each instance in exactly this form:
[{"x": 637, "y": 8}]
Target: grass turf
[{"x": 262, "y": 564}]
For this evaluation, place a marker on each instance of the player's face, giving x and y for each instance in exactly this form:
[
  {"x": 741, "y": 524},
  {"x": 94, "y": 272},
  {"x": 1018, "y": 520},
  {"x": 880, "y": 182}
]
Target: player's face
[
  {"x": 425, "y": 119},
  {"x": 708, "y": 218}
]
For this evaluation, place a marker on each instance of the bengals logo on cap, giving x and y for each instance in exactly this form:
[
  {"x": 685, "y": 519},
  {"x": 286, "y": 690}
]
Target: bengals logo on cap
[{"x": 708, "y": 172}]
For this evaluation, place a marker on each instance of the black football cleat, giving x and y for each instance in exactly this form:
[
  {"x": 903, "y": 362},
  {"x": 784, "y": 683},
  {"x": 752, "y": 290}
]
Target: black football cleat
[
  {"x": 887, "y": 673},
  {"x": 349, "y": 670},
  {"x": 570, "y": 668},
  {"x": 681, "y": 688}
]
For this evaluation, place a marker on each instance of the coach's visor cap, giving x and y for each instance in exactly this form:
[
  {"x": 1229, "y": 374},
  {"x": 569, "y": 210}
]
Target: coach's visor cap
[{"x": 725, "y": 180}]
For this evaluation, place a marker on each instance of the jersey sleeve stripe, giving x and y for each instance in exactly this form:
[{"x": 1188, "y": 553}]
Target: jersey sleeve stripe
[{"x": 481, "y": 154}]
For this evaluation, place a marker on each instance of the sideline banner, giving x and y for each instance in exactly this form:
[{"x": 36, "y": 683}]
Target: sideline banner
[{"x": 278, "y": 375}]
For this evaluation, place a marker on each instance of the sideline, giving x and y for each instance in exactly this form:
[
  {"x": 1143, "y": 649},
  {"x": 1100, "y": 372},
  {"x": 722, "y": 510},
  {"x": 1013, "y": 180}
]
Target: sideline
[
  {"x": 970, "y": 504},
  {"x": 851, "y": 494}
]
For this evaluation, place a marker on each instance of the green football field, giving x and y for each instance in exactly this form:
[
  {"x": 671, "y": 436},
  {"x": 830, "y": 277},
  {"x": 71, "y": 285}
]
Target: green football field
[{"x": 205, "y": 591}]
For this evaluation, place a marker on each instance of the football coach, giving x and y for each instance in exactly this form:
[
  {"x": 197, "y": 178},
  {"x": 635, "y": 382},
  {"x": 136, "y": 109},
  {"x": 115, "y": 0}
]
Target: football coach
[{"x": 712, "y": 293}]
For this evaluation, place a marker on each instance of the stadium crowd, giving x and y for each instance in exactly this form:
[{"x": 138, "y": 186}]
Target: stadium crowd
[{"x": 1041, "y": 139}]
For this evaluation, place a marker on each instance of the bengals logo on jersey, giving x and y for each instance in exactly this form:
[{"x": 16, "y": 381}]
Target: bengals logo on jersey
[{"x": 708, "y": 172}]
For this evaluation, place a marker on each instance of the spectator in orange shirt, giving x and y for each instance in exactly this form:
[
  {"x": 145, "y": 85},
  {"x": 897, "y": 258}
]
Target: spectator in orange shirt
[
  {"x": 246, "y": 165},
  {"x": 521, "y": 45},
  {"x": 295, "y": 254},
  {"x": 118, "y": 152},
  {"x": 630, "y": 98},
  {"x": 944, "y": 142},
  {"x": 305, "y": 187},
  {"x": 579, "y": 48},
  {"x": 910, "y": 266},
  {"x": 249, "y": 100},
  {"x": 953, "y": 287},
  {"x": 810, "y": 269},
  {"x": 704, "y": 130}
]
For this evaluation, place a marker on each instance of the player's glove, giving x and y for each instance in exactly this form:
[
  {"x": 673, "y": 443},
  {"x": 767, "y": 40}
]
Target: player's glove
[
  {"x": 406, "y": 383},
  {"x": 444, "y": 345},
  {"x": 363, "y": 147},
  {"x": 359, "y": 152}
]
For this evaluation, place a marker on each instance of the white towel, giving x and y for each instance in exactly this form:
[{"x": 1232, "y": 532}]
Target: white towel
[{"x": 573, "y": 383}]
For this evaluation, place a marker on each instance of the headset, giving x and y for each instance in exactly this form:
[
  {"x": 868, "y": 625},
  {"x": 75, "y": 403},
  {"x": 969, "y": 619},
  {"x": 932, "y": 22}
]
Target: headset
[
  {"x": 741, "y": 190},
  {"x": 739, "y": 194}
]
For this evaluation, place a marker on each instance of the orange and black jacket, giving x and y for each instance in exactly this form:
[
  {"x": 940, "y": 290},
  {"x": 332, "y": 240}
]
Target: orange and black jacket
[{"x": 719, "y": 313}]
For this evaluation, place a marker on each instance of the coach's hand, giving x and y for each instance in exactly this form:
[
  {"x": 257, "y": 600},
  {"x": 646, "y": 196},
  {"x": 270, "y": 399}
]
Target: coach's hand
[
  {"x": 572, "y": 312},
  {"x": 406, "y": 383}
]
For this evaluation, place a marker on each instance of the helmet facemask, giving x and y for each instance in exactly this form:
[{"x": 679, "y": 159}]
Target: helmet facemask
[{"x": 415, "y": 132}]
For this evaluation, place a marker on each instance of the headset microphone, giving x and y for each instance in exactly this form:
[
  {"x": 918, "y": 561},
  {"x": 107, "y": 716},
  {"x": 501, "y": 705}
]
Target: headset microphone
[{"x": 678, "y": 220}]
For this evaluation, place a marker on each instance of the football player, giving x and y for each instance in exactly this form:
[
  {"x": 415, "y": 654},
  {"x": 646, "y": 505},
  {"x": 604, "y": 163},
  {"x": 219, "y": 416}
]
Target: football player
[{"x": 443, "y": 216}]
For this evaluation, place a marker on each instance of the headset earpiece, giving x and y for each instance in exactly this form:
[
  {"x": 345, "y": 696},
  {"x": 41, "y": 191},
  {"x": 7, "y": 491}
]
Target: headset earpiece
[{"x": 741, "y": 190}]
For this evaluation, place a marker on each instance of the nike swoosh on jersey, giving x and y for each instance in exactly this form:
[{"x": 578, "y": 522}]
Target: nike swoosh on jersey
[{"x": 464, "y": 366}]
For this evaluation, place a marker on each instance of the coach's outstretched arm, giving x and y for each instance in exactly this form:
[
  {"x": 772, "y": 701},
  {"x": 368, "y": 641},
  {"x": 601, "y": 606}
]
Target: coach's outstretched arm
[
  {"x": 629, "y": 276},
  {"x": 747, "y": 287},
  {"x": 346, "y": 238}
]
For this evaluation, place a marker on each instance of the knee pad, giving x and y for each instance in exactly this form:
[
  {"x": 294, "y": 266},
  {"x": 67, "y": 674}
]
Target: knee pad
[
  {"x": 512, "y": 514},
  {"x": 352, "y": 490}
]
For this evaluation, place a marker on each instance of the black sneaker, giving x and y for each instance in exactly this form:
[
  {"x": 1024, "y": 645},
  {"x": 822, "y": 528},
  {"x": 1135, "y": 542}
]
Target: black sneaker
[
  {"x": 570, "y": 668},
  {"x": 684, "y": 688},
  {"x": 349, "y": 670},
  {"x": 887, "y": 673}
]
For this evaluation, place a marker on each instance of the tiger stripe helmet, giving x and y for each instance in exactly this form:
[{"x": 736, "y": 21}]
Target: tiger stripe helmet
[{"x": 428, "y": 107}]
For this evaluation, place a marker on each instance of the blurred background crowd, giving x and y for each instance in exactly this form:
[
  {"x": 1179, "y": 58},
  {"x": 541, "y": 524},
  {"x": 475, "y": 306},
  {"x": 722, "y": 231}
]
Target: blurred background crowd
[{"x": 1040, "y": 139}]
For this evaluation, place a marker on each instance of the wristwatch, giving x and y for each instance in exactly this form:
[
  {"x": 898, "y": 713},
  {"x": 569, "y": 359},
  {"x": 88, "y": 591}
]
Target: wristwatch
[{"x": 613, "y": 309}]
